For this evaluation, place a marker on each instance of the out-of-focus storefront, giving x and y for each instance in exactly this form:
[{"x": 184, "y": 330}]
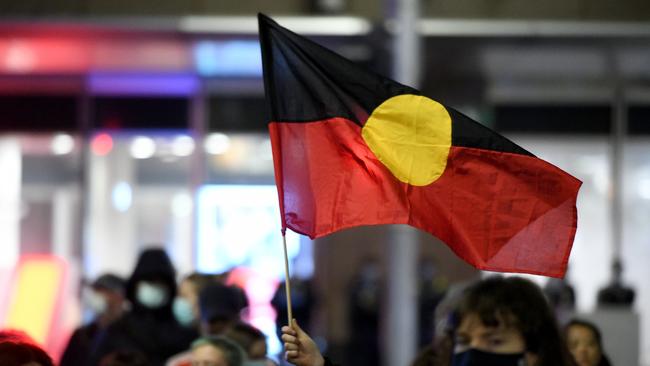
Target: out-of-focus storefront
[{"x": 118, "y": 138}]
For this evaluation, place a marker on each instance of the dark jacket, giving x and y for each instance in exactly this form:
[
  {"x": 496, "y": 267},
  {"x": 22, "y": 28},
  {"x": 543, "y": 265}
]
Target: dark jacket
[
  {"x": 78, "y": 349},
  {"x": 154, "y": 332}
]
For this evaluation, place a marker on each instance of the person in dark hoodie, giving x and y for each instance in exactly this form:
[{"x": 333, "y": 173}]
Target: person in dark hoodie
[{"x": 149, "y": 327}]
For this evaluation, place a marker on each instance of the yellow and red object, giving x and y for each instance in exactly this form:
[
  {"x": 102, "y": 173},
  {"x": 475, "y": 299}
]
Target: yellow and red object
[{"x": 35, "y": 298}]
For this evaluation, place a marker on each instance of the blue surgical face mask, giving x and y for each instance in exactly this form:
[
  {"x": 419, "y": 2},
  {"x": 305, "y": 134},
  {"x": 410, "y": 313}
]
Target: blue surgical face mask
[
  {"x": 151, "y": 295},
  {"x": 96, "y": 302},
  {"x": 474, "y": 357},
  {"x": 183, "y": 311}
]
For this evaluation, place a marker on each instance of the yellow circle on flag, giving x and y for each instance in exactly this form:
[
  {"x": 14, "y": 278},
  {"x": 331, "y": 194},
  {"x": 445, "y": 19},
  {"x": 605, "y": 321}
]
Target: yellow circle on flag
[{"x": 411, "y": 136}]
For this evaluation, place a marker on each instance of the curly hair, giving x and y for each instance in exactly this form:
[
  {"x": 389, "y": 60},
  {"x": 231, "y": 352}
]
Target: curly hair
[{"x": 519, "y": 303}]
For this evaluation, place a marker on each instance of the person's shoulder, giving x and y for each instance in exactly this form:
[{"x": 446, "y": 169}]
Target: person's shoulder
[
  {"x": 84, "y": 333},
  {"x": 79, "y": 332}
]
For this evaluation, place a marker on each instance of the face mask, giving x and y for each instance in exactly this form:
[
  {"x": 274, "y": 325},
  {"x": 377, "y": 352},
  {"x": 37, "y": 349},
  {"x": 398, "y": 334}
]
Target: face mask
[
  {"x": 183, "y": 311},
  {"x": 151, "y": 295},
  {"x": 474, "y": 357},
  {"x": 95, "y": 302}
]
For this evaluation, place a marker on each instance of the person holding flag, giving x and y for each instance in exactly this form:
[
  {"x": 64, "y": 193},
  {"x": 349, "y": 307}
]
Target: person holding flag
[
  {"x": 351, "y": 147},
  {"x": 497, "y": 322}
]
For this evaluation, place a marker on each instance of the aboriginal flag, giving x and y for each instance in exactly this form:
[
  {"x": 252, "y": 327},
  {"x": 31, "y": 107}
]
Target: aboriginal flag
[{"x": 351, "y": 148}]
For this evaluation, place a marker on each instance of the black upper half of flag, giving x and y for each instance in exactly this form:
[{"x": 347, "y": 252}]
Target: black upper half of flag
[{"x": 306, "y": 82}]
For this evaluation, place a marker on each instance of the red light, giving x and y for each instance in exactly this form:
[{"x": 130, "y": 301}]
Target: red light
[
  {"x": 102, "y": 144},
  {"x": 45, "y": 54}
]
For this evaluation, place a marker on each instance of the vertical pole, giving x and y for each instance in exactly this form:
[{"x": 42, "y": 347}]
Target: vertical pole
[
  {"x": 287, "y": 281},
  {"x": 63, "y": 222},
  {"x": 198, "y": 124},
  {"x": 400, "y": 331},
  {"x": 619, "y": 130},
  {"x": 11, "y": 167},
  {"x": 84, "y": 122},
  {"x": 406, "y": 44}
]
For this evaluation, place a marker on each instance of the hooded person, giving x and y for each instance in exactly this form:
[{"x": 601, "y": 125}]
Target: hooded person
[{"x": 149, "y": 327}]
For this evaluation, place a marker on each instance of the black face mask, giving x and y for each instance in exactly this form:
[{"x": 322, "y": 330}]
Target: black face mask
[{"x": 474, "y": 357}]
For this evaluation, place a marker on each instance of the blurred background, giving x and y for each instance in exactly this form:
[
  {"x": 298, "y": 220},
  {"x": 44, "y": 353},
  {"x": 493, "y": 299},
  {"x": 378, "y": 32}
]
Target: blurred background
[{"x": 131, "y": 124}]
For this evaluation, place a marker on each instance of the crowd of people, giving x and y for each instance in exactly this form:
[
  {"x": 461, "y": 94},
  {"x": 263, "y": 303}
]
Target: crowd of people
[{"x": 149, "y": 320}]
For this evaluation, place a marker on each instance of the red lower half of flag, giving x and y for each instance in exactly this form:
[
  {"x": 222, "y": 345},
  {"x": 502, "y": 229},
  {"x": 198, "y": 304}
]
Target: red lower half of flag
[{"x": 498, "y": 211}]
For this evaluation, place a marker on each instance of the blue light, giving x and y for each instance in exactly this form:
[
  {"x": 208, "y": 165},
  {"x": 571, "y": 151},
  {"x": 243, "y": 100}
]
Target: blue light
[
  {"x": 228, "y": 58},
  {"x": 122, "y": 196}
]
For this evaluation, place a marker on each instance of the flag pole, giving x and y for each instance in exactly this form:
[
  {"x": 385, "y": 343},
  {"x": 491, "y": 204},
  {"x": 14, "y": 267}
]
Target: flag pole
[{"x": 287, "y": 282}]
